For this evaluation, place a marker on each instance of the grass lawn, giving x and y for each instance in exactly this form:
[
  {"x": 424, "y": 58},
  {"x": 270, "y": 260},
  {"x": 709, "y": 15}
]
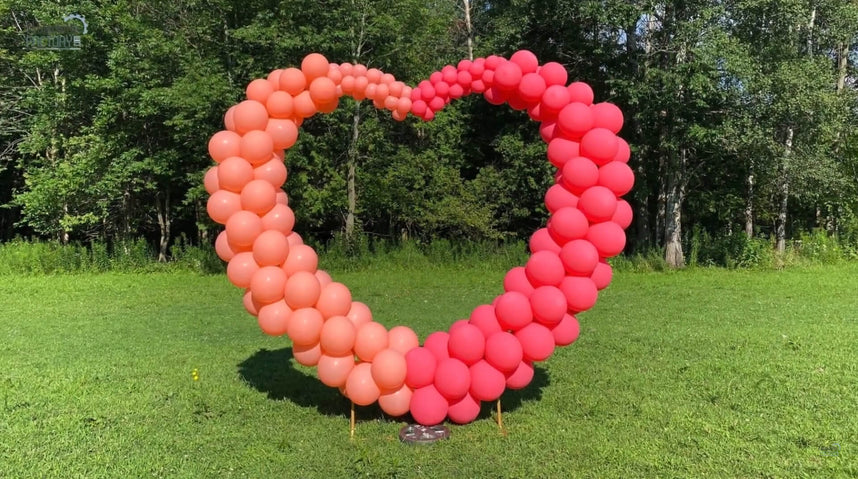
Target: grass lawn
[{"x": 689, "y": 374}]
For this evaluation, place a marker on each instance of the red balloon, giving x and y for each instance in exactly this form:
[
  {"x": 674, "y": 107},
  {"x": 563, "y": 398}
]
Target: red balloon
[
  {"x": 541, "y": 241},
  {"x": 555, "y": 98},
  {"x": 495, "y": 95},
  {"x": 600, "y": 145},
  {"x": 531, "y": 88},
  {"x": 623, "y": 151},
  {"x": 516, "y": 280},
  {"x": 537, "y": 342},
  {"x": 503, "y": 351},
  {"x": 598, "y": 203},
  {"x": 421, "y": 368},
  {"x": 580, "y": 92},
  {"x": 579, "y": 257},
  {"x": 452, "y": 378},
  {"x": 487, "y": 383},
  {"x": 623, "y": 215},
  {"x": 554, "y": 74},
  {"x": 575, "y": 119},
  {"x": 566, "y": 331},
  {"x": 567, "y": 224},
  {"x": 546, "y": 128},
  {"x": 526, "y": 60},
  {"x": 274, "y": 318},
  {"x": 580, "y": 293},
  {"x": 558, "y": 197},
  {"x": 561, "y": 150},
  {"x": 521, "y": 377},
  {"x": 617, "y": 177},
  {"x": 483, "y": 317},
  {"x": 507, "y": 76},
  {"x": 464, "y": 410},
  {"x": 428, "y": 406},
  {"x": 544, "y": 268},
  {"x": 607, "y": 115},
  {"x": 467, "y": 343},
  {"x": 437, "y": 342},
  {"x": 548, "y": 304},
  {"x": 513, "y": 310},
  {"x": 602, "y": 275},
  {"x": 608, "y": 237},
  {"x": 580, "y": 173}
]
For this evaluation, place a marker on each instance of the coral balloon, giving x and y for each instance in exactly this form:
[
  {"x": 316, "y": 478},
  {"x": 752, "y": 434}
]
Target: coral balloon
[
  {"x": 396, "y": 403},
  {"x": 389, "y": 369},
  {"x": 258, "y": 196},
  {"x": 242, "y": 228},
  {"x": 301, "y": 258},
  {"x": 402, "y": 339},
  {"x": 360, "y": 387},
  {"x": 249, "y": 115},
  {"x": 335, "y": 299},
  {"x": 338, "y": 336},
  {"x": 371, "y": 338},
  {"x": 279, "y": 218},
  {"x": 241, "y": 269},
  {"x": 305, "y": 326},
  {"x": 224, "y": 144},
  {"x": 307, "y": 354},
  {"x": 222, "y": 247},
  {"x": 234, "y": 173},
  {"x": 272, "y": 171},
  {"x": 314, "y": 65},
  {"x": 334, "y": 371},
  {"x": 211, "y": 180},
  {"x": 273, "y": 318},
  {"x": 267, "y": 283},
  {"x": 302, "y": 290},
  {"x": 279, "y": 105},
  {"x": 359, "y": 314},
  {"x": 283, "y": 133}
]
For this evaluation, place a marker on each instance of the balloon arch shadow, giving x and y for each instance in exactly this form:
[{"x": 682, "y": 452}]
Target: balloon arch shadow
[{"x": 275, "y": 374}]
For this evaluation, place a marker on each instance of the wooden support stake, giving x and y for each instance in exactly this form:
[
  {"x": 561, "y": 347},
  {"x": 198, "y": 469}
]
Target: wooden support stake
[
  {"x": 500, "y": 416},
  {"x": 352, "y": 423}
]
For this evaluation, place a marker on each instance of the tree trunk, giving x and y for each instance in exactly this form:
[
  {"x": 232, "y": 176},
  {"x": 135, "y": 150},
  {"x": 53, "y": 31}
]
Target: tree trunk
[
  {"x": 350, "y": 179},
  {"x": 749, "y": 203},
  {"x": 783, "y": 192},
  {"x": 164, "y": 224},
  {"x": 470, "y": 28},
  {"x": 674, "y": 197}
]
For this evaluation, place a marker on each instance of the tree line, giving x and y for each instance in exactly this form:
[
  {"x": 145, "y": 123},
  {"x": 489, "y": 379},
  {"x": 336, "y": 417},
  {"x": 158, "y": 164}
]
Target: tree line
[{"x": 741, "y": 115}]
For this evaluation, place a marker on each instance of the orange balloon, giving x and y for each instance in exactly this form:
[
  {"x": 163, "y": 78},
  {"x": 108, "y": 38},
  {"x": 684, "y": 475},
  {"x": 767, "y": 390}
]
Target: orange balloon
[
  {"x": 359, "y": 90},
  {"x": 284, "y": 133},
  {"x": 294, "y": 239},
  {"x": 274, "y": 78},
  {"x": 301, "y": 258},
  {"x": 314, "y": 65},
  {"x": 272, "y": 171},
  {"x": 334, "y": 370},
  {"x": 302, "y": 290},
  {"x": 398, "y": 116},
  {"x": 249, "y": 115},
  {"x": 396, "y": 403},
  {"x": 359, "y": 70},
  {"x": 373, "y": 75},
  {"x": 348, "y": 84},
  {"x": 338, "y": 336},
  {"x": 240, "y": 269},
  {"x": 267, "y": 284},
  {"x": 330, "y": 106},
  {"x": 378, "y": 104},
  {"x": 388, "y": 78},
  {"x": 224, "y": 144},
  {"x": 406, "y": 92},
  {"x": 388, "y": 369},
  {"x": 282, "y": 199},
  {"x": 279, "y": 104},
  {"x": 258, "y": 196},
  {"x": 233, "y": 173},
  {"x": 360, "y": 387},
  {"x": 222, "y": 247},
  {"x": 346, "y": 68},
  {"x": 242, "y": 228},
  {"x": 251, "y": 306},
  {"x": 335, "y": 75},
  {"x": 292, "y": 81},
  {"x": 371, "y": 338},
  {"x": 391, "y": 102},
  {"x": 229, "y": 118},
  {"x": 210, "y": 180},
  {"x": 271, "y": 249},
  {"x": 305, "y": 326},
  {"x": 402, "y": 339},
  {"x": 307, "y": 354},
  {"x": 257, "y": 146},
  {"x": 303, "y": 105},
  {"x": 334, "y": 300},
  {"x": 359, "y": 314},
  {"x": 222, "y": 205},
  {"x": 274, "y": 318},
  {"x": 259, "y": 90},
  {"x": 280, "y": 218},
  {"x": 370, "y": 90},
  {"x": 324, "y": 278},
  {"x": 323, "y": 90},
  {"x": 403, "y": 105},
  {"x": 382, "y": 91},
  {"x": 396, "y": 88}
]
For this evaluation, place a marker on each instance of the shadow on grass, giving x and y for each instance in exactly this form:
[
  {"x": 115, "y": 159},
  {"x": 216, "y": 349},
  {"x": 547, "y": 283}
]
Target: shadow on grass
[{"x": 275, "y": 373}]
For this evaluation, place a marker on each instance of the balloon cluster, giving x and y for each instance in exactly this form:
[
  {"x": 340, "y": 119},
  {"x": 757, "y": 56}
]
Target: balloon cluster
[{"x": 495, "y": 348}]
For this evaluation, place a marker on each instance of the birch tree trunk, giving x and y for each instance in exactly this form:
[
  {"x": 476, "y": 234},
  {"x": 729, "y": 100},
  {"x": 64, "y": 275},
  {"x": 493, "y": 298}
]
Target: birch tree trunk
[
  {"x": 783, "y": 192},
  {"x": 674, "y": 198},
  {"x": 749, "y": 202},
  {"x": 470, "y": 29},
  {"x": 164, "y": 224}
]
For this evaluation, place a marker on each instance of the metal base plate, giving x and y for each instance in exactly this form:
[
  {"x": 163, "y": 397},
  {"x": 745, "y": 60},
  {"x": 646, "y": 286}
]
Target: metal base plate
[{"x": 419, "y": 434}]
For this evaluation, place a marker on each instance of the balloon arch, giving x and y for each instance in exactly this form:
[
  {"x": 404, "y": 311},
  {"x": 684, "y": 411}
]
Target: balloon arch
[{"x": 477, "y": 358}]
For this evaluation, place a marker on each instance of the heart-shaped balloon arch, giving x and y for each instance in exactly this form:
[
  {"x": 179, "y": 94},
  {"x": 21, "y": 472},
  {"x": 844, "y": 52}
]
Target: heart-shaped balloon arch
[{"x": 481, "y": 356}]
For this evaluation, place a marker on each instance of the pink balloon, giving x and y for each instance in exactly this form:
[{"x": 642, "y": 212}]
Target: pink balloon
[
  {"x": 608, "y": 237},
  {"x": 464, "y": 410},
  {"x": 359, "y": 314},
  {"x": 579, "y": 257},
  {"x": 507, "y": 76},
  {"x": 452, "y": 378},
  {"x": 548, "y": 304},
  {"x": 541, "y": 240},
  {"x": 547, "y": 128},
  {"x": 544, "y": 268},
  {"x": 580, "y": 293},
  {"x": 267, "y": 284},
  {"x": 487, "y": 383},
  {"x": 623, "y": 216},
  {"x": 360, "y": 387},
  {"x": 537, "y": 342},
  {"x": 484, "y": 318},
  {"x": 600, "y": 145},
  {"x": 566, "y": 331},
  {"x": 503, "y": 351},
  {"x": 531, "y": 88},
  {"x": 467, "y": 343},
  {"x": 561, "y": 150},
  {"x": 521, "y": 377},
  {"x": 598, "y": 203},
  {"x": 274, "y": 318},
  {"x": 607, "y": 115},
  {"x": 575, "y": 119},
  {"x": 428, "y": 406},
  {"x": 623, "y": 151},
  {"x": 456, "y": 325},
  {"x": 513, "y": 310},
  {"x": 389, "y": 369},
  {"x": 515, "y": 280},
  {"x": 602, "y": 275},
  {"x": 580, "y": 92},
  {"x": 402, "y": 339},
  {"x": 558, "y": 197},
  {"x": 437, "y": 343},
  {"x": 555, "y": 98},
  {"x": 553, "y": 73},
  {"x": 567, "y": 224},
  {"x": 617, "y": 177},
  {"x": 335, "y": 299},
  {"x": 396, "y": 403},
  {"x": 421, "y": 368},
  {"x": 580, "y": 173},
  {"x": 526, "y": 60}
]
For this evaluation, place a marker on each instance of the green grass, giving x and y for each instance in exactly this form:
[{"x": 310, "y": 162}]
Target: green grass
[{"x": 690, "y": 374}]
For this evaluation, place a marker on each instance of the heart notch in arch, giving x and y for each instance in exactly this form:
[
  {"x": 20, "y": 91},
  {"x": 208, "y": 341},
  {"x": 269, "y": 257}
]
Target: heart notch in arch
[{"x": 494, "y": 349}]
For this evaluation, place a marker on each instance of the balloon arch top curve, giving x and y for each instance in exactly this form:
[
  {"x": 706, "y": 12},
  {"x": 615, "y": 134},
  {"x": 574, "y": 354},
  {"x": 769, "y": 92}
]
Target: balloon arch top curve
[{"x": 495, "y": 348}]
